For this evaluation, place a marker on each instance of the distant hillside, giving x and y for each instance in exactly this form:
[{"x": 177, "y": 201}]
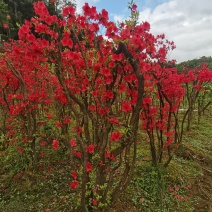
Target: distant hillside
[{"x": 190, "y": 64}]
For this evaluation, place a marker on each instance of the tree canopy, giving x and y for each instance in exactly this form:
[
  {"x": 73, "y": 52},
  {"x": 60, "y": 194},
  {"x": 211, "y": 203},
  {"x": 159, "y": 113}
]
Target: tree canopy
[
  {"x": 3, "y": 16},
  {"x": 191, "y": 64}
]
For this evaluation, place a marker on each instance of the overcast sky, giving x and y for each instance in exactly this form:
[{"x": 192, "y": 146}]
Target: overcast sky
[{"x": 186, "y": 22}]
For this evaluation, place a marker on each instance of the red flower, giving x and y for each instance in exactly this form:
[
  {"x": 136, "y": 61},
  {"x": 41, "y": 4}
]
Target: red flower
[
  {"x": 95, "y": 93},
  {"x": 20, "y": 150},
  {"x": 168, "y": 142},
  {"x": 67, "y": 42},
  {"x": 146, "y": 26},
  {"x": 89, "y": 11},
  {"x": 126, "y": 107},
  {"x": 147, "y": 100},
  {"x": 24, "y": 29},
  {"x": 171, "y": 189},
  {"x": 42, "y": 154},
  {"x": 122, "y": 88},
  {"x": 104, "y": 15},
  {"x": 90, "y": 149},
  {"x": 94, "y": 201},
  {"x": 78, "y": 154},
  {"x": 115, "y": 136},
  {"x": 176, "y": 188},
  {"x": 113, "y": 120},
  {"x": 50, "y": 19},
  {"x": 106, "y": 72},
  {"x": 79, "y": 130},
  {"x": 72, "y": 142},
  {"x": 186, "y": 198},
  {"x": 49, "y": 116},
  {"x": 89, "y": 167},
  {"x": 74, "y": 184},
  {"x": 5, "y": 26},
  {"x": 58, "y": 124},
  {"x": 74, "y": 174},
  {"x": 109, "y": 94},
  {"x": 67, "y": 121},
  {"x": 55, "y": 144},
  {"x": 112, "y": 157},
  {"x": 134, "y": 7},
  {"x": 43, "y": 143},
  {"x": 68, "y": 10}
]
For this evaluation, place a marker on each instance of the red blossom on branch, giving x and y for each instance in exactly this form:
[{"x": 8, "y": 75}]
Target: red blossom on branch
[
  {"x": 126, "y": 107},
  {"x": 89, "y": 167},
  {"x": 74, "y": 184},
  {"x": 115, "y": 136},
  {"x": 21, "y": 150},
  {"x": 72, "y": 143},
  {"x": 6, "y": 26},
  {"x": 74, "y": 174},
  {"x": 68, "y": 11},
  {"x": 77, "y": 153},
  {"x": 94, "y": 201},
  {"x": 134, "y": 7},
  {"x": 90, "y": 149},
  {"x": 55, "y": 144}
]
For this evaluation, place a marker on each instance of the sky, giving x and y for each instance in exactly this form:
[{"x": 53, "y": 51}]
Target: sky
[{"x": 186, "y": 22}]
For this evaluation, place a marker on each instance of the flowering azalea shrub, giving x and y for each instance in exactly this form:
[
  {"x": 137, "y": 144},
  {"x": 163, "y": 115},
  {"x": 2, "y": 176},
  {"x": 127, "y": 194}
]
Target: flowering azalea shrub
[
  {"x": 196, "y": 82},
  {"x": 70, "y": 89}
]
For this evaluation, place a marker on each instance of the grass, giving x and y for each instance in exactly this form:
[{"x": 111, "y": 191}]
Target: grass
[{"x": 174, "y": 188}]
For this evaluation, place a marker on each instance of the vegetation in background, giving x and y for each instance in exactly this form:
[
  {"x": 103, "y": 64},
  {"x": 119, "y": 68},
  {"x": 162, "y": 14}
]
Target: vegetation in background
[
  {"x": 192, "y": 64},
  {"x": 14, "y": 13}
]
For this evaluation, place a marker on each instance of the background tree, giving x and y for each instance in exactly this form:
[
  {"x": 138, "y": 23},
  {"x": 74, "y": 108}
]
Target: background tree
[
  {"x": 3, "y": 18},
  {"x": 191, "y": 64},
  {"x": 21, "y": 10},
  {"x": 18, "y": 11}
]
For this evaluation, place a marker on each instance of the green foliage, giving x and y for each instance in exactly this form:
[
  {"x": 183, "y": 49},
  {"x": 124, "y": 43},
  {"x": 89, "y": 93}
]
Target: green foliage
[
  {"x": 191, "y": 64},
  {"x": 152, "y": 190},
  {"x": 149, "y": 187},
  {"x": 3, "y": 19},
  {"x": 3, "y": 13},
  {"x": 18, "y": 11}
]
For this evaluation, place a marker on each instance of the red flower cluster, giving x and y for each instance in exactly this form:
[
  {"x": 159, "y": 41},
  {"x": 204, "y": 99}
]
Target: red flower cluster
[
  {"x": 115, "y": 136},
  {"x": 55, "y": 144},
  {"x": 72, "y": 143},
  {"x": 74, "y": 184},
  {"x": 89, "y": 167},
  {"x": 90, "y": 149}
]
